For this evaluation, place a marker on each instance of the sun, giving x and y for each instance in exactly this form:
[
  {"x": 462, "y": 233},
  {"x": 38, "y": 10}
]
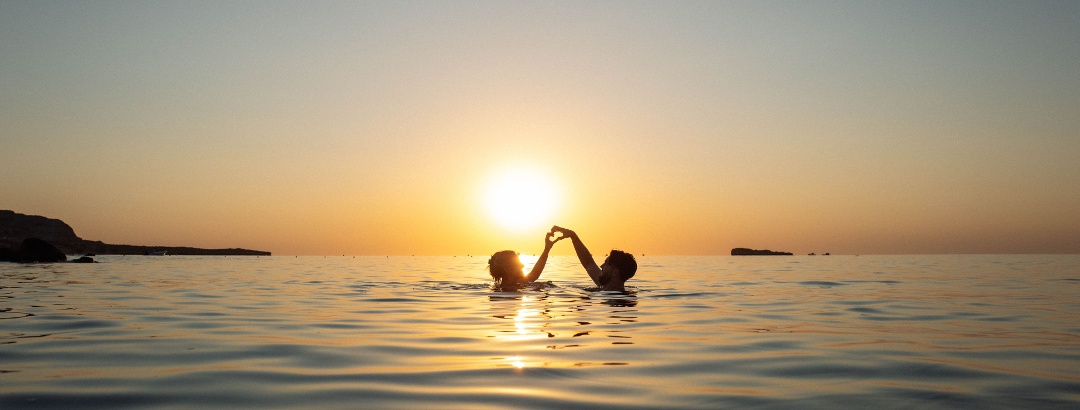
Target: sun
[{"x": 520, "y": 199}]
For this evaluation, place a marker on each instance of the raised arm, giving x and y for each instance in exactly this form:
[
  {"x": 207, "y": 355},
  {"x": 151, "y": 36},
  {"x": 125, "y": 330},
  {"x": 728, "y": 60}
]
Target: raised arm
[
  {"x": 538, "y": 268},
  {"x": 583, "y": 254}
]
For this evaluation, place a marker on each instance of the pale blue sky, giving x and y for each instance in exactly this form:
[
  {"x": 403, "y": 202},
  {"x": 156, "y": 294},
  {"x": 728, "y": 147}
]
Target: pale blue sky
[{"x": 851, "y": 127}]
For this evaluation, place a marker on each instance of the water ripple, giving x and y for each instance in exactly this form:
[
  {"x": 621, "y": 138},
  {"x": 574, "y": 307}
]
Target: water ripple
[{"x": 694, "y": 332}]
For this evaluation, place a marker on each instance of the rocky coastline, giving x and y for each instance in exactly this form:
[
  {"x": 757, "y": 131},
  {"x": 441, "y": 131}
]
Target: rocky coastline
[
  {"x": 16, "y": 229},
  {"x": 757, "y": 252}
]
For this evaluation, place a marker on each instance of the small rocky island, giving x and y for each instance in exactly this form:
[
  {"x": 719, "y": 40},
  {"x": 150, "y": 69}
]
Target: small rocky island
[
  {"x": 756, "y": 252},
  {"x": 16, "y": 229}
]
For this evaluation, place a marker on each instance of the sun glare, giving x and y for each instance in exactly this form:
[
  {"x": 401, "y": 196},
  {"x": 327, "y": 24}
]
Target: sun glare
[{"x": 520, "y": 200}]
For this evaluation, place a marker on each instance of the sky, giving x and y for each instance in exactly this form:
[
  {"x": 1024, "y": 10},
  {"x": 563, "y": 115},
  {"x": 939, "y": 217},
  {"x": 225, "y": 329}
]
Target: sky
[{"x": 659, "y": 128}]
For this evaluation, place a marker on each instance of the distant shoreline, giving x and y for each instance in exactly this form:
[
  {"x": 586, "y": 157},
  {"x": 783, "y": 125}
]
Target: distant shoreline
[
  {"x": 110, "y": 249},
  {"x": 15, "y": 227},
  {"x": 757, "y": 252}
]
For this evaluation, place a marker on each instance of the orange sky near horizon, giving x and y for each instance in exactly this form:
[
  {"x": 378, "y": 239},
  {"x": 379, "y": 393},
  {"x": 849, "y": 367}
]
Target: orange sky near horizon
[{"x": 666, "y": 129}]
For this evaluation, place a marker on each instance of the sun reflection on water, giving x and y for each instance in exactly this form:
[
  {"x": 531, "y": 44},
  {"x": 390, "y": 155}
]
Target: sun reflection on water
[
  {"x": 527, "y": 322},
  {"x": 541, "y": 326},
  {"x": 516, "y": 361}
]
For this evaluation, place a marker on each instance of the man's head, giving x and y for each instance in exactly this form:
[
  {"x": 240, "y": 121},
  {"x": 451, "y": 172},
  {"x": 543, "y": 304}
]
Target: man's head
[{"x": 621, "y": 263}]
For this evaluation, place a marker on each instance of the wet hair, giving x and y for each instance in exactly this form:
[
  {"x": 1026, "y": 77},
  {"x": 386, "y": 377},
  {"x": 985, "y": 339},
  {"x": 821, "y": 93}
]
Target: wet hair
[
  {"x": 624, "y": 262},
  {"x": 503, "y": 263}
]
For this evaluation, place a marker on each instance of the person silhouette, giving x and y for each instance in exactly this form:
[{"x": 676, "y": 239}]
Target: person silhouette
[
  {"x": 612, "y": 274},
  {"x": 508, "y": 271}
]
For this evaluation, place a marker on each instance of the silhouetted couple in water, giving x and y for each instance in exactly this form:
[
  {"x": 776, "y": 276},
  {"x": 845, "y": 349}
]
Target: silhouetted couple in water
[{"x": 509, "y": 273}]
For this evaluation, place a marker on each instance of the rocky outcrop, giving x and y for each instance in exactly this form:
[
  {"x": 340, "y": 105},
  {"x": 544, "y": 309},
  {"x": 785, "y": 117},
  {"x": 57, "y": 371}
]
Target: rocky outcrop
[
  {"x": 756, "y": 252},
  {"x": 16, "y": 227},
  {"x": 33, "y": 250},
  {"x": 109, "y": 249}
]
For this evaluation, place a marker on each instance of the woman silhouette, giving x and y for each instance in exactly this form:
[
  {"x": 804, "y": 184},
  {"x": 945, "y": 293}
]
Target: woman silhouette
[{"x": 508, "y": 271}]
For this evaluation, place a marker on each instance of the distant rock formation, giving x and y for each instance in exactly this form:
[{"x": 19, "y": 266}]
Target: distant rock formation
[
  {"x": 84, "y": 259},
  {"x": 16, "y": 227},
  {"x": 32, "y": 250},
  {"x": 755, "y": 252}
]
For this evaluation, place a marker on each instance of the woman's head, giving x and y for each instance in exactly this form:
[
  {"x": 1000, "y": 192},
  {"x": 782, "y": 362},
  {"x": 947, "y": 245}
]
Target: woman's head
[{"x": 504, "y": 264}]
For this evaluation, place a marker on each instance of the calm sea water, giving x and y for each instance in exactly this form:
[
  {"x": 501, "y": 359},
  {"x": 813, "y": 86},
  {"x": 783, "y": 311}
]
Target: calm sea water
[{"x": 694, "y": 332}]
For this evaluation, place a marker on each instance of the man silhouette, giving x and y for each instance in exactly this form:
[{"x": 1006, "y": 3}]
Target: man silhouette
[{"x": 613, "y": 273}]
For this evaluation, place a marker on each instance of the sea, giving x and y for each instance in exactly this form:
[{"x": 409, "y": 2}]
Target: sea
[{"x": 709, "y": 332}]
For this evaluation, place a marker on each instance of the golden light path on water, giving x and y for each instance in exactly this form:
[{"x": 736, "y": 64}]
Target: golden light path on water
[{"x": 526, "y": 328}]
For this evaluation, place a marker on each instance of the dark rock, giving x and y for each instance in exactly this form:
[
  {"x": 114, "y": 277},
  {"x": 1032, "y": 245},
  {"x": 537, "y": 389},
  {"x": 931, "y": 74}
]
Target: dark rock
[
  {"x": 15, "y": 227},
  {"x": 35, "y": 250},
  {"x": 756, "y": 252},
  {"x": 84, "y": 259}
]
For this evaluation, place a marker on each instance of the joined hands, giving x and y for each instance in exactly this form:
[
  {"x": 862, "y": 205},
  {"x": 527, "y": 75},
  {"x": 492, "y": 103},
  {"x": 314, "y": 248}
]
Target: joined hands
[{"x": 551, "y": 237}]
